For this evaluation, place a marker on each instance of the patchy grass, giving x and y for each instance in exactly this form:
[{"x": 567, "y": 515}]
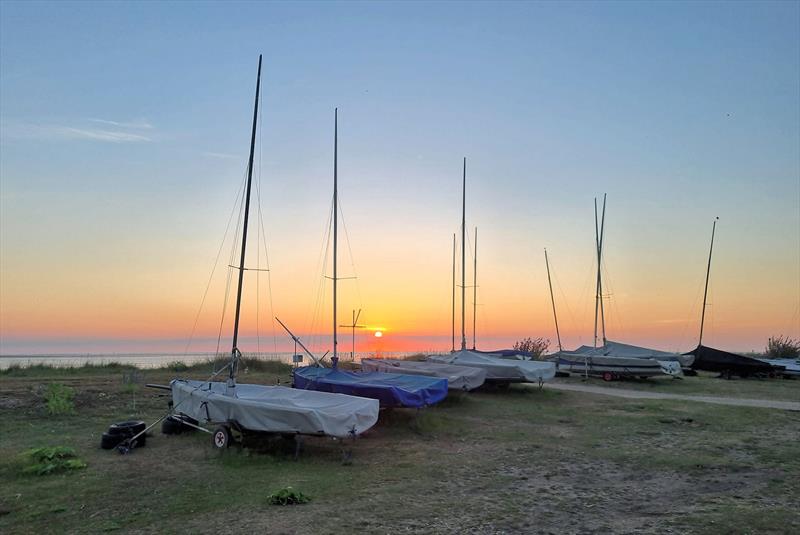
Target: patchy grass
[
  {"x": 519, "y": 460},
  {"x": 704, "y": 384}
]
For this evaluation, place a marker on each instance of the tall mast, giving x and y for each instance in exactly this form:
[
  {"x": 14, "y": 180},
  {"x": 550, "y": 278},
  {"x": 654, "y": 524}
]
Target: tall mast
[
  {"x": 463, "y": 249},
  {"x": 552, "y": 300},
  {"x": 453, "y": 347},
  {"x": 235, "y": 350},
  {"x": 598, "y": 301},
  {"x": 599, "y": 272},
  {"x": 335, "y": 358},
  {"x": 597, "y": 278},
  {"x": 475, "y": 287},
  {"x": 708, "y": 273}
]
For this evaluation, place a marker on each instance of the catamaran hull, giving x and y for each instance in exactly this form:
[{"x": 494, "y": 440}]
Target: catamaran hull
[
  {"x": 458, "y": 377},
  {"x": 390, "y": 389},
  {"x": 274, "y": 409},
  {"x": 500, "y": 370}
]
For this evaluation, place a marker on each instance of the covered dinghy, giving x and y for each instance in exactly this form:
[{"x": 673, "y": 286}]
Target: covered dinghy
[
  {"x": 458, "y": 377},
  {"x": 594, "y": 363},
  {"x": 500, "y": 370},
  {"x": 274, "y": 409},
  {"x": 618, "y": 349},
  {"x": 715, "y": 360},
  {"x": 390, "y": 389},
  {"x": 516, "y": 354}
]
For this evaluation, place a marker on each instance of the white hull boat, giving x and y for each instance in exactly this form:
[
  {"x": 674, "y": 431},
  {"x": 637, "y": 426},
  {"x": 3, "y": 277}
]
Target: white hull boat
[
  {"x": 458, "y": 377},
  {"x": 609, "y": 367}
]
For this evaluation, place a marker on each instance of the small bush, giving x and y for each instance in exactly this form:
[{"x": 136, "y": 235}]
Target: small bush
[
  {"x": 782, "y": 347},
  {"x": 59, "y": 399},
  {"x": 287, "y": 496},
  {"x": 177, "y": 366},
  {"x": 535, "y": 346},
  {"x": 51, "y": 460}
]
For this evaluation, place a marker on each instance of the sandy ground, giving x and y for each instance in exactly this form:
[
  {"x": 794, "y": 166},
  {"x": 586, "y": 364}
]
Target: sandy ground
[{"x": 638, "y": 394}]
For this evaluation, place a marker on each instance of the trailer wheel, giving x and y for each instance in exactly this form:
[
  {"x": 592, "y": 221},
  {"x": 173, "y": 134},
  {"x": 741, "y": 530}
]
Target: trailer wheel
[
  {"x": 221, "y": 439},
  {"x": 109, "y": 441},
  {"x": 608, "y": 376}
]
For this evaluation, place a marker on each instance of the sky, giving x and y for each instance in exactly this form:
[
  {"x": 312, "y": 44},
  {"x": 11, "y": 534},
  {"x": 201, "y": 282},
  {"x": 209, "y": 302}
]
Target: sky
[{"x": 124, "y": 136}]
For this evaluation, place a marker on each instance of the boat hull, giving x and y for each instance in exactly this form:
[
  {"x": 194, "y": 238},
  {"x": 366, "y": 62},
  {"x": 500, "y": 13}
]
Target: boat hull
[
  {"x": 274, "y": 409},
  {"x": 618, "y": 366}
]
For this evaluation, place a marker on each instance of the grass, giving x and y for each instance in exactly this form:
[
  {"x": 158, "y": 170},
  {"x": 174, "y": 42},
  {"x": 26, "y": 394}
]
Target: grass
[
  {"x": 520, "y": 460},
  {"x": 705, "y": 384}
]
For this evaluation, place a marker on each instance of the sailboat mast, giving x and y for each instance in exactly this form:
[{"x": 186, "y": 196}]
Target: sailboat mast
[
  {"x": 453, "y": 324},
  {"x": 463, "y": 251},
  {"x": 335, "y": 358},
  {"x": 597, "y": 279},
  {"x": 234, "y": 349},
  {"x": 708, "y": 273},
  {"x": 599, "y": 271},
  {"x": 552, "y": 300},
  {"x": 475, "y": 287}
]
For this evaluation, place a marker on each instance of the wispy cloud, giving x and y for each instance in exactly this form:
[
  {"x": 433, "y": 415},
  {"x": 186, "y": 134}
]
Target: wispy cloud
[
  {"x": 69, "y": 133},
  {"x": 138, "y": 124}
]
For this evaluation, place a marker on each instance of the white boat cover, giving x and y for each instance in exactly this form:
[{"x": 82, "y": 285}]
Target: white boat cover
[
  {"x": 458, "y": 377},
  {"x": 275, "y": 409},
  {"x": 498, "y": 369},
  {"x": 617, "y": 349}
]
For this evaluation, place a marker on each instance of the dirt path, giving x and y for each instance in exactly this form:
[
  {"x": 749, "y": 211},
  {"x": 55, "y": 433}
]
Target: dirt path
[{"x": 638, "y": 394}]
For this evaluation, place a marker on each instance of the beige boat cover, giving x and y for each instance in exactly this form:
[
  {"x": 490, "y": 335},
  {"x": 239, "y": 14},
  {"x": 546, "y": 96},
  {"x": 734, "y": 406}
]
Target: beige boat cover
[
  {"x": 458, "y": 377},
  {"x": 275, "y": 409},
  {"x": 498, "y": 369}
]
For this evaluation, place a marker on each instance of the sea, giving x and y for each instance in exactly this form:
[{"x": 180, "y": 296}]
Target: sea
[{"x": 158, "y": 360}]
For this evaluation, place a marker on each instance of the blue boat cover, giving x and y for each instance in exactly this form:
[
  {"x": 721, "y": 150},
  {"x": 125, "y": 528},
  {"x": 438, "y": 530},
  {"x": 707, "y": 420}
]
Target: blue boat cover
[{"x": 390, "y": 389}]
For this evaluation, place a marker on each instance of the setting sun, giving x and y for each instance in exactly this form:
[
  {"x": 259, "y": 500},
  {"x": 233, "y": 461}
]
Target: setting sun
[{"x": 378, "y": 334}]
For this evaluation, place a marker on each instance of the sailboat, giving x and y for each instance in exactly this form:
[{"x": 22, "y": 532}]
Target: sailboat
[
  {"x": 246, "y": 408},
  {"x": 498, "y": 370},
  {"x": 458, "y": 377},
  {"x": 612, "y": 360},
  {"x": 726, "y": 363},
  {"x": 390, "y": 389}
]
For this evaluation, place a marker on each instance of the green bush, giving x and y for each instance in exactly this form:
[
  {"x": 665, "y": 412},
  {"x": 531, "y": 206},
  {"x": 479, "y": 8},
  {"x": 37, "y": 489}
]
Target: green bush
[
  {"x": 59, "y": 399},
  {"x": 287, "y": 496},
  {"x": 534, "y": 346},
  {"x": 782, "y": 347},
  {"x": 51, "y": 460},
  {"x": 177, "y": 366}
]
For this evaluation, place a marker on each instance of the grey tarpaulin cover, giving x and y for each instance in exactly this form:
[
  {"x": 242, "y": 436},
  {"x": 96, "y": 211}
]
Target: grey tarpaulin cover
[
  {"x": 598, "y": 364},
  {"x": 498, "y": 369},
  {"x": 275, "y": 409},
  {"x": 617, "y": 349},
  {"x": 458, "y": 377}
]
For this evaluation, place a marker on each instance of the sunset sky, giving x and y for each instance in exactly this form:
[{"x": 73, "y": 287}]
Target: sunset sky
[{"x": 125, "y": 131}]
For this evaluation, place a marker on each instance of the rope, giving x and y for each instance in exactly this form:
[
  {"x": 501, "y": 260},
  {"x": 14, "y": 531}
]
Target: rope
[{"x": 213, "y": 269}]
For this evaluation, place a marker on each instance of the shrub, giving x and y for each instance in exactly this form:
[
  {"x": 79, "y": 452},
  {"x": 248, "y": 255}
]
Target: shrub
[
  {"x": 177, "y": 366},
  {"x": 783, "y": 347},
  {"x": 51, "y": 460},
  {"x": 287, "y": 496},
  {"x": 535, "y": 346},
  {"x": 59, "y": 399}
]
